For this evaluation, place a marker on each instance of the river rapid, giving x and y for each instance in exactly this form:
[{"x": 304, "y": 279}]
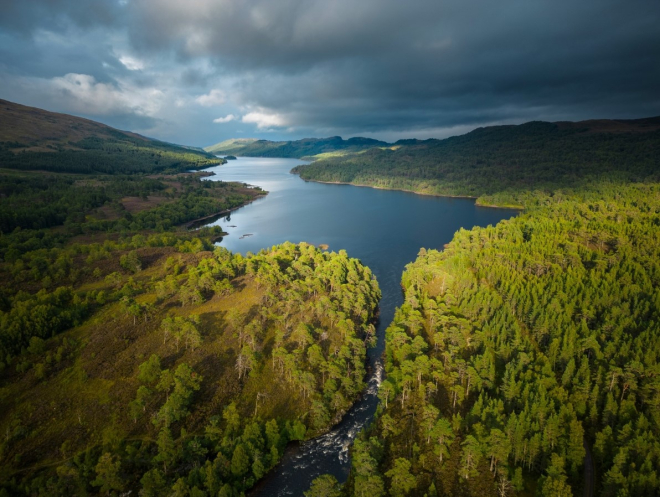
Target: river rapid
[{"x": 385, "y": 229}]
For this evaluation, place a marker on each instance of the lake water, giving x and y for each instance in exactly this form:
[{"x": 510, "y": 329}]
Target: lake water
[{"x": 384, "y": 229}]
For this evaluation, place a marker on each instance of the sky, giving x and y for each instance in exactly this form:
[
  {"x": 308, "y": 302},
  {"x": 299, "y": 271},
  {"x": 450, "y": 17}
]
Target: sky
[{"x": 197, "y": 72}]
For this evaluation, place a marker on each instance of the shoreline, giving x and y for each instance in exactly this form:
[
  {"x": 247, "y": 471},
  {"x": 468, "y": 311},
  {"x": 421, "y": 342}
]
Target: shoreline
[
  {"x": 189, "y": 225},
  {"x": 517, "y": 208}
]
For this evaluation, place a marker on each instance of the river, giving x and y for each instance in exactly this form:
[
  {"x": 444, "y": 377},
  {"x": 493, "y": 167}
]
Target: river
[{"x": 384, "y": 229}]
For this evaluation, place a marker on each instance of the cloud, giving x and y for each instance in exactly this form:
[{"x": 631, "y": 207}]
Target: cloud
[
  {"x": 264, "y": 120},
  {"x": 131, "y": 63},
  {"x": 226, "y": 119},
  {"x": 385, "y": 65},
  {"x": 311, "y": 67},
  {"x": 213, "y": 98},
  {"x": 83, "y": 94},
  {"x": 57, "y": 15}
]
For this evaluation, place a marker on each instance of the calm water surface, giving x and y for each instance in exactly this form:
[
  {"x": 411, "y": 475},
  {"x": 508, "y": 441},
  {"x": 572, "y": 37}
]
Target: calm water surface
[{"x": 384, "y": 229}]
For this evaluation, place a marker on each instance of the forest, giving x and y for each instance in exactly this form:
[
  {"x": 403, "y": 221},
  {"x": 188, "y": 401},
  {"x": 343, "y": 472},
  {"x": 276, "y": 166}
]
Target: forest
[
  {"x": 500, "y": 164},
  {"x": 518, "y": 349},
  {"x": 107, "y": 156},
  {"x": 138, "y": 356},
  {"x": 184, "y": 370},
  {"x": 135, "y": 355}
]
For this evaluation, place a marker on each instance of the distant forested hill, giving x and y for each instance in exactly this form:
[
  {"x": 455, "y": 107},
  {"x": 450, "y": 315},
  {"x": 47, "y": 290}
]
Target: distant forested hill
[
  {"x": 501, "y": 161},
  {"x": 293, "y": 149},
  {"x": 35, "y": 139}
]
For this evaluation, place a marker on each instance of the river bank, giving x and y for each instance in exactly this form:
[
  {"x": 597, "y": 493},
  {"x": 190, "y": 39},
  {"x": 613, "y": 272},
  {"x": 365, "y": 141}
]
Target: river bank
[
  {"x": 199, "y": 222},
  {"x": 476, "y": 199}
]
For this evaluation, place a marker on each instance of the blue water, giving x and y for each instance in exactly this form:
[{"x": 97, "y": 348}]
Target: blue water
[{"x": 384, "y": 229}]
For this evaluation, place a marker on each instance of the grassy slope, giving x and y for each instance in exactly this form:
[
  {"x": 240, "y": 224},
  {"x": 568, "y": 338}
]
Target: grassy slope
[
  {"x": 32, "y": 138},
  {"x": 77, "y": 391},
  {"x": 497, "y": 163},
  {"x": 94, "y": 383},
  {"x": 293, "y": 149},
  {"x": 39, "y": 130}
]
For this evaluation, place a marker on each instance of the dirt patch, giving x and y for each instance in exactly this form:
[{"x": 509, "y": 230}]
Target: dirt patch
[
  {"x": 137, "y": 204},
  {"x": 105, "y": 213}
]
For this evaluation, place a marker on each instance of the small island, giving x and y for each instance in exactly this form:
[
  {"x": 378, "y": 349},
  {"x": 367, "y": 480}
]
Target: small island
[{"x": 230, "y": 157}]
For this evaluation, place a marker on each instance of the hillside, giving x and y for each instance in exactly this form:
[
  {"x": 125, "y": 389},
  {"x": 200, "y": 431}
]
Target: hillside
[
  {"x": 32, "y": 138},
  {"x": 524, "y": 352},
  {"x": 164, "y": 365},
  {"x": 231, "y": 146},
  {"x": 306, "y": 147},
  {"x": 502, "y": 161},
  {"x": 135, "y": 355}
]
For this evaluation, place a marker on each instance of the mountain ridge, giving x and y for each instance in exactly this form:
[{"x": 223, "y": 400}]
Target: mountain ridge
[
  {"x": 498, "y": 163},
  {"x": 305, "y": 147},
  {"x": 33, "y": 138}
]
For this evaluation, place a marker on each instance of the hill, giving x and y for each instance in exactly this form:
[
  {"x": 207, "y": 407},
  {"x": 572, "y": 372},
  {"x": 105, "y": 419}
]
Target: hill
[
  {"x": 306, "y": 147},
  {"x": 230, "y": 146},
  {"x": 32, "y": 138},
  {"x": 525, "y": 358},
  {"x": 135, "y": 355},
  {"x": 499, "y": 162},
  {"x": 163, "y": 359}
]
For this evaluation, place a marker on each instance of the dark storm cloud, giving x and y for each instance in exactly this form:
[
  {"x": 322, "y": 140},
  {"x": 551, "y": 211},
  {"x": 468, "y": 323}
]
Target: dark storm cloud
[
  {"x": 376, "y": 67},
  {"x": 26, "y": 16},
  {"x": 395, "y": 65}
]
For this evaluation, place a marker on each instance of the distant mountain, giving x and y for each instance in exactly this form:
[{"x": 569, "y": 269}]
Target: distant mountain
[
  {"x": 504, "y": 160},
  {"x": 233, "y": 145},
  {"x": 32, "y": 138},
  {"x": 307, "y": 147}
]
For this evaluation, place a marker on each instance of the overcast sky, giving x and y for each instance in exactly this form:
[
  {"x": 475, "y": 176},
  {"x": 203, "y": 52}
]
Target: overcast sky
[{"x": 200, "y": 71}]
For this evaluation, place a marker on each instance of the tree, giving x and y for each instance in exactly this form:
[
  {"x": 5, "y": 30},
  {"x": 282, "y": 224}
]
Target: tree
[
  {"x": 324, "y": 486},
  {"x": 235, "y": 319},
  {"x": 401, "y": 481},
  {"x": 131, "y": 262},
  {"x": 240, "y": 461},
  {"x": 232, "y": 419},
  {"x": 189, "y": 295},
  {"x": 107, "y": 474},
  {"x": 186, "y": 382},
  {"x": 554, "y": 484},
  {"x": 131, "y": 308},
  {"x": 150, "y": 370},
  {"x": 139, "y": 405},
  {"x": 499, "y": 448},
  {"x": 427, "y": 421},
  {"x": 369, "y": 486},
  {"x": 153, "y": 483},
  {"x": 575, "y": 451},
  {"x": 167, "y": 450},
  {"x": 443, "y": 435},
  {"x": 245, "y": 361},
  {"x": 182, "y": 329},
  {"x": 470, "y": 456},
  {"x": 504, "y": 486},
  {"x": 258, "y": 468}
]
